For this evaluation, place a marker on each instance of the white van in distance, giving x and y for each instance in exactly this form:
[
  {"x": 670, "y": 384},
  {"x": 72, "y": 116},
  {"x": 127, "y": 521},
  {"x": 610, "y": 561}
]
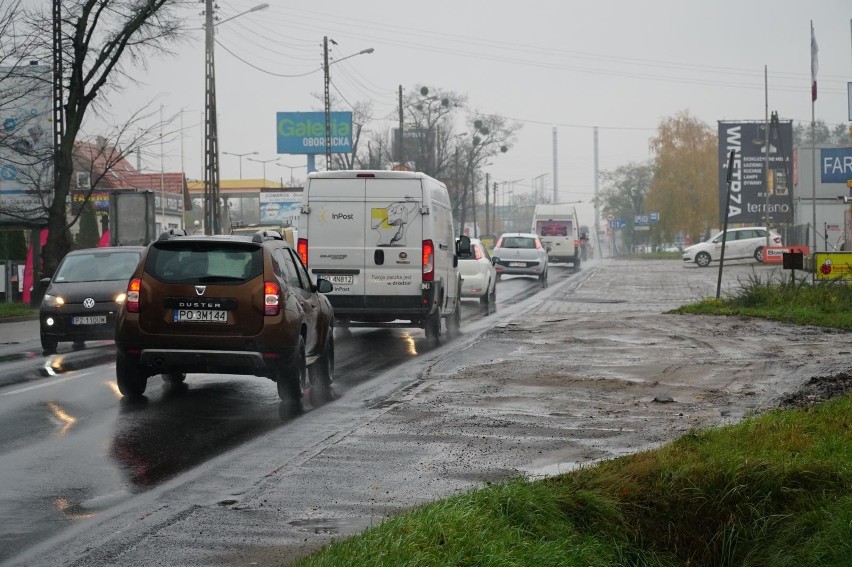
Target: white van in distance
[
  {"x": 559, "y": 232},
  {"x": 386, "y": 240}
]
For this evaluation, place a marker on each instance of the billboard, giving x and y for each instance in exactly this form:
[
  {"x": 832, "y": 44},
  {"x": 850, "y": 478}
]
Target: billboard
[
  {"x": 280, "y": 207},
  {"x": 304, "y": 132},
  {"x": 26, "y": 144},
  {"x": 749, "y": 202},
  {"x": 835, "y": 165}
]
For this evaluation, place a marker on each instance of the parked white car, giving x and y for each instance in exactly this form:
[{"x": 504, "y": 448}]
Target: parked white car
[
  {"x": 479, "y": 276},
  {"x": 745, "y": 242}
]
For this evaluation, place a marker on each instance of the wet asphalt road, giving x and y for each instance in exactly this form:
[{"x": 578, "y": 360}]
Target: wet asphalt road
[{"x": 72, "y": 449}]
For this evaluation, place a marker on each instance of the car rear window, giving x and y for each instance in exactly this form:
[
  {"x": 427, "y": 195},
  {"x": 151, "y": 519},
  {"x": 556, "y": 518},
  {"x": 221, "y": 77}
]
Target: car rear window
[
  {"x": 97, "y": 267},
  {"x": 204, "y": 262},
  {"x": 518, "y": 242}
]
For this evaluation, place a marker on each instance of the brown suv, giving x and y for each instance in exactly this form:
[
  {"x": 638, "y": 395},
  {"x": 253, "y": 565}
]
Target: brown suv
[{"x": 225, "y": 304}]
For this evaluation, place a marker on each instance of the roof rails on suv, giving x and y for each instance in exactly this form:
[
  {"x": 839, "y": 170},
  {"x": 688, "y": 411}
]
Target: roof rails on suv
[{"x": 171, "y": 233}]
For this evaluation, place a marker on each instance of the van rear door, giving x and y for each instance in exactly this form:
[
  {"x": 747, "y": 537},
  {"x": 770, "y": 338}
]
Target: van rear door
[
  {"x": 335, "y": 230},
  {"x": 394, "y": 242}
]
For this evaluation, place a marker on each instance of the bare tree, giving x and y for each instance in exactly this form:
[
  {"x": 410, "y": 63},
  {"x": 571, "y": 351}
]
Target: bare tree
[{"x": 104, "y": 42}]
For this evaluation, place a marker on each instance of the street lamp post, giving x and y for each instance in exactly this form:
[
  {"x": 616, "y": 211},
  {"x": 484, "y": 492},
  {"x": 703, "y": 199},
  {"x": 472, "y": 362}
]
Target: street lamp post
[
  {"x": 264, "y": 162},
  {"x": 291, "y": 168},
  {"x": 212, "y": 211},
  {"x": 241, "y": 156},
  {"x": 327, "y": 81}
]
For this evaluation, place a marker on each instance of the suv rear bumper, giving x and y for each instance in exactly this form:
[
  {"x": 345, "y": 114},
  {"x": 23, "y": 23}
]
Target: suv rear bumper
[{"x": 219, "y": 361}]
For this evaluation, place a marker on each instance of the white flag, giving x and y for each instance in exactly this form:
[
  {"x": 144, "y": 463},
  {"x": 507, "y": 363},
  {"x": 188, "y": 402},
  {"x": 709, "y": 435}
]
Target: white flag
[{"x": 814, "y": 64}]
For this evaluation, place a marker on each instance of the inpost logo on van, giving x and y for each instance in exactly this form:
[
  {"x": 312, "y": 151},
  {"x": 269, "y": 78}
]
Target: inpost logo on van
[
  {"x": 304, "y": 132},
  {"x": 324, "y": 215}
]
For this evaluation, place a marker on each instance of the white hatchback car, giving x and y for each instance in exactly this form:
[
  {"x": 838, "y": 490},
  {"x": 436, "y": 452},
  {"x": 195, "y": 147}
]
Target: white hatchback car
[
  {"x": 520, "y": 253},
  {"x": 745, "y": 242},
  {"x": 479, "y": 276}
]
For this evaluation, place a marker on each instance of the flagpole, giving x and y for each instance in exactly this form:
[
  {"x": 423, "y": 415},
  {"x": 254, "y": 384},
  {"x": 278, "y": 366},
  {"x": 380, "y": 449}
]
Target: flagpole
[{"x": 813, "y": 134}]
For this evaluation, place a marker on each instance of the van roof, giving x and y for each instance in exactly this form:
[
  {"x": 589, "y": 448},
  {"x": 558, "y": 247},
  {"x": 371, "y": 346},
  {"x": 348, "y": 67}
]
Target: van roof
[{"x": 356, "y": 173}]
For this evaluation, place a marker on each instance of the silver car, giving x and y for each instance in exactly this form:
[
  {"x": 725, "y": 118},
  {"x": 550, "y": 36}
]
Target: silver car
[{"x": 520, "y": 253}]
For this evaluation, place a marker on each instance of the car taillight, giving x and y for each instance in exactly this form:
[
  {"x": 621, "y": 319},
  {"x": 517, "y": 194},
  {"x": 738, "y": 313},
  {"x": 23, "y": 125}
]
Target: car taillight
[
  {"x": 428, "y": 261},
  {"x": 499, "y": 243},
  {"x": 271, "y": 298},
  {"x": 576, "y": 244},
  {"x": 302, "y": 250},
  {"x": 537, "y": 244},
  {"x": 776, "y": 239},
  {"x": 132, "y": 301},
  {"x": 477, "y": 253}
]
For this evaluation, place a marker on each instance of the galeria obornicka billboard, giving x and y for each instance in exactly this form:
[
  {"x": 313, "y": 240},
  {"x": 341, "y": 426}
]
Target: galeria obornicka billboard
[{"x": 748, "y": 203}]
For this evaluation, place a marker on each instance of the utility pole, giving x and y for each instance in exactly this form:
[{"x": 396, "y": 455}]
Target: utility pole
[
  {"x": 597, "y": 210},
  {"x": 487, "y": 205},
  {"x": 400, "y": 150},
  {"x": 494, "y": 217},
  {"x": 555, "y": 169},
  {"x": 766, "y": 149},
  {"x": 327, "y": 104},
  {"x": 212, "y": 217}
]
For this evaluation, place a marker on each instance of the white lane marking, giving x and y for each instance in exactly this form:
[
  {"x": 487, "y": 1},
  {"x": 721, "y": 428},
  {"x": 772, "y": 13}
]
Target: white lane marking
[{"x": 44, "y": 385}]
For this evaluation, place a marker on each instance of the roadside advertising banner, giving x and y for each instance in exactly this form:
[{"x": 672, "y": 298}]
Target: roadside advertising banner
[
  {"x": 280, "y": 206},
  {"x": 304, "y": 132},
  {"x": 775, "y": 254},
  {"x": 833, "y": 265},
  {"x": 748, "y": 201},
  {"x": 835, "y": 165},
  {"x": 26, "y": 144}
]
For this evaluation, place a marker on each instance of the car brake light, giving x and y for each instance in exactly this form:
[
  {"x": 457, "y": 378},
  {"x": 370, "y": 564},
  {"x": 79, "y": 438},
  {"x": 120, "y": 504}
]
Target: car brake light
[
  {"x": 576, "y": 244},
  {"x": 271, "y": 298},
  {"x": 477, "y": 253},
  {"x": 537, "y": 244},
  {"x": 302, "y": 250},
  {"x": 499, "y": 243},
  {"x": 428, "y": 261},
  {"x": 132, "y": 301}
]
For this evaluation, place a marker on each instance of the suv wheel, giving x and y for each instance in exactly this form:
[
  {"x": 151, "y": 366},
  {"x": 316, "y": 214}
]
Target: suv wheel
[
  {"x": 291, "y": 377},
  {"x": 130, "y": 377},
  {"x": 322, "y": 372},
  {"x": 48, "y": 344},
  {"x": 702, "y": 259}
]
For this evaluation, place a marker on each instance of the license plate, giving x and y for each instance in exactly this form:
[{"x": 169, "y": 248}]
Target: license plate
[
  {"x": 347, "y": 280},
  {"x": 517, "y": 264},
  {"x": 91, "y": 320},
  {"x": 200, "y": 316}
]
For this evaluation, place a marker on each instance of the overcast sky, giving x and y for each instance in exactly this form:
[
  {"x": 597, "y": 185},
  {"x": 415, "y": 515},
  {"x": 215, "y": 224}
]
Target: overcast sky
[{"x": 622, "y": 66}]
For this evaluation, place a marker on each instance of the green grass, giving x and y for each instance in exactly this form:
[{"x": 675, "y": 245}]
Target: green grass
[
  {"x": 774, "y": 490},
  {"x": 16, "y": 310},
  {"x": 825, "y": 304}
]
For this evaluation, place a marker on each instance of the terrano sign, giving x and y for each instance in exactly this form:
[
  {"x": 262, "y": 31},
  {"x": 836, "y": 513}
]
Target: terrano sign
[
  {"x": 748, "y": 202},
  {"x": 304, "y": 132}
]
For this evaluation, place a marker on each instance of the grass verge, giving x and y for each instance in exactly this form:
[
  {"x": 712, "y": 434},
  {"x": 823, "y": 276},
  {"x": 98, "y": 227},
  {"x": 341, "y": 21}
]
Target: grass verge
[
  {"x": 16, "y": 310},
  {"x": 774, "y": 490},
  {"x": 824, "y": 304}
]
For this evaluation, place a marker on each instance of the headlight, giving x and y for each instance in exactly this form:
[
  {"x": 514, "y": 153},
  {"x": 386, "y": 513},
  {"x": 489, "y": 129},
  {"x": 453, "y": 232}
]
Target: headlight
[{"x": 52, "y": 301}]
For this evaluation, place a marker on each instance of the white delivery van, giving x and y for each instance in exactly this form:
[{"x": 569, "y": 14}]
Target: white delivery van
[
  {"x": 385, "y": 239},
  {"x": 558, "y": 229}
]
